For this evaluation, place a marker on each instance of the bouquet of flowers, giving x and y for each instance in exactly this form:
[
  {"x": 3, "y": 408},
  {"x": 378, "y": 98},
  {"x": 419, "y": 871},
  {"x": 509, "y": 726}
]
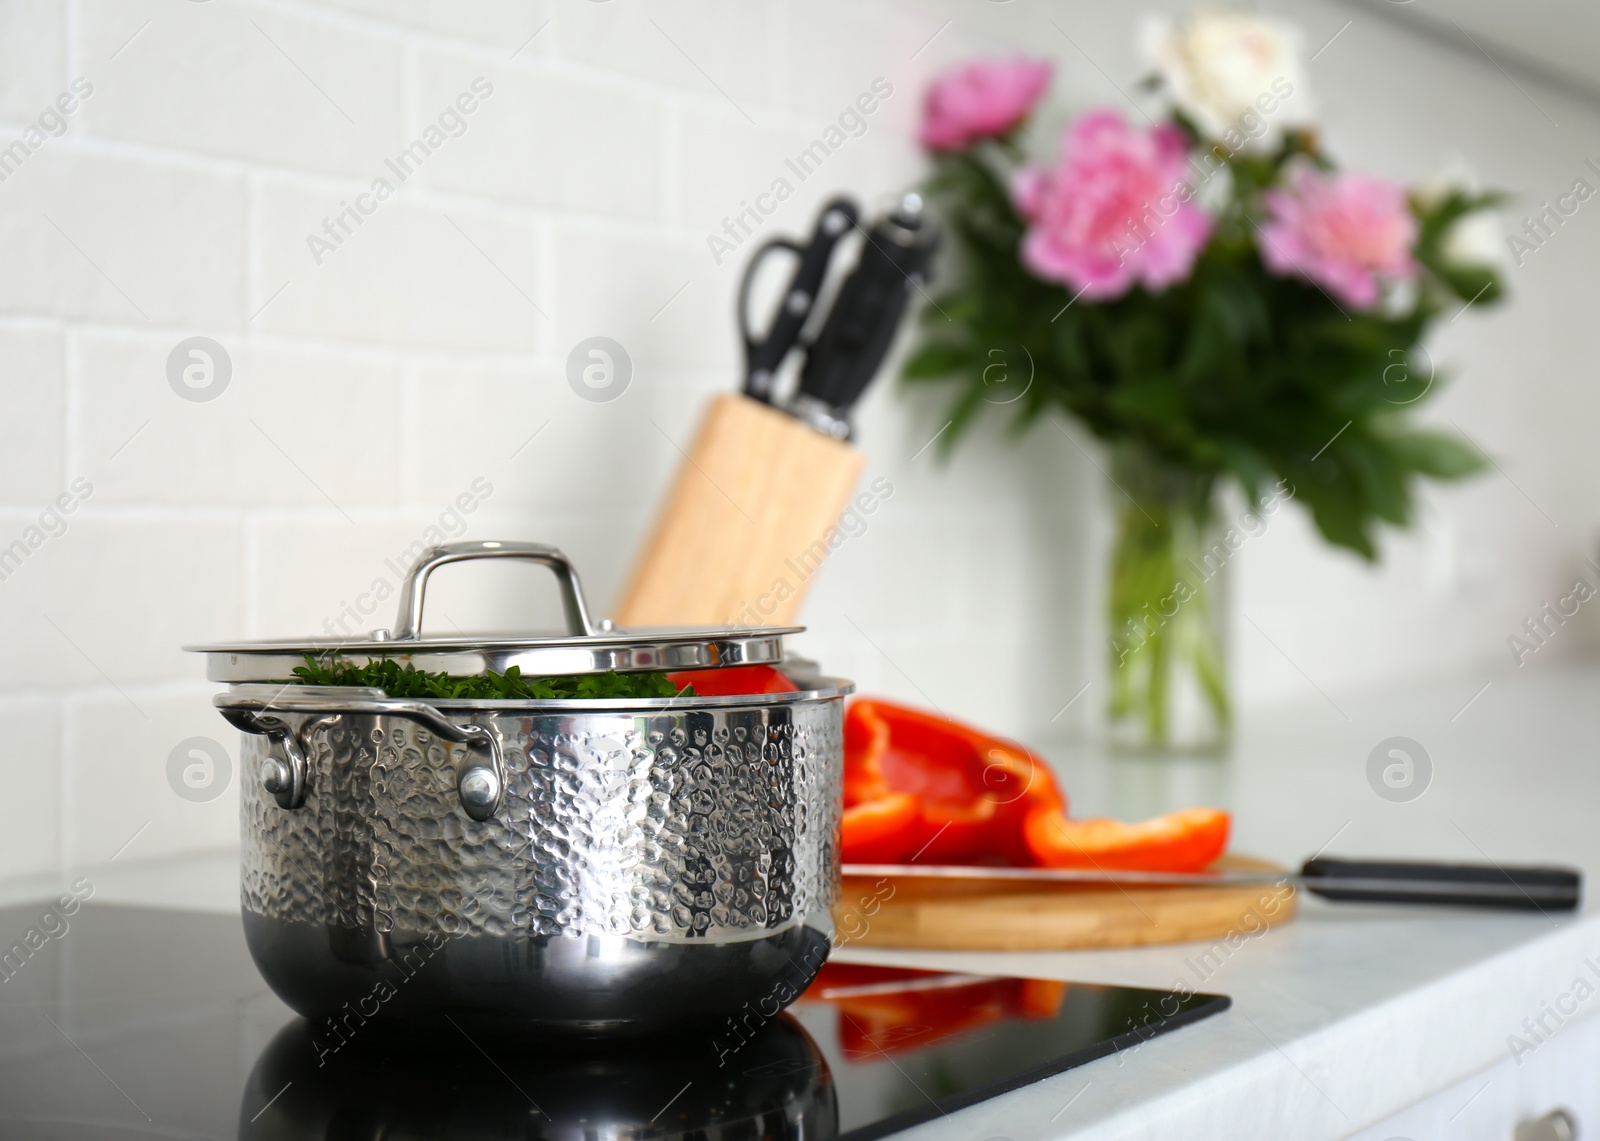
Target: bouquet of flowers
[{"x": 1210, "y": 295}]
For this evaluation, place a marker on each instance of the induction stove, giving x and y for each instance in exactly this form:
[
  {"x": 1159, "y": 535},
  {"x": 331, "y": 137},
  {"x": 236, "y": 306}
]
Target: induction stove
[{"x": 144, "y": 1023}]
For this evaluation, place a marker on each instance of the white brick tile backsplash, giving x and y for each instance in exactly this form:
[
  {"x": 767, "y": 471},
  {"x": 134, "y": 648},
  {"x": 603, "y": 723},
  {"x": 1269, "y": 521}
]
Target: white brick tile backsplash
[
  {"x": 310, "y": 570},
  {"x": 110, "y": 238},
  {"x": 324, "y": 579},
  {"x": 540, "y": 443},
  {"x": 279, "y": 434},
  {"x": 881, "y": 570},
  {"x": 107, "y": 602},
  {"x": 723, "y": 167},
  {"x": 30, "y": 767},
  {"x": 422, "y": 276},
  {"x": 33, "y": 58},
  {"x": 663, "y": 299},
  {"x": 904, "y": 428},
  {"x": 515, "y": 413},
  {"x": 540, "y": 138},
  {"x": 117, "y": 778},
  {"x": 716, "y": 49},
  {"x": 245, "y": 81},
  {"x": 33, "y": 427},
  {"x": 507, "y": 23},
  {"x": 861, "y": 44}
]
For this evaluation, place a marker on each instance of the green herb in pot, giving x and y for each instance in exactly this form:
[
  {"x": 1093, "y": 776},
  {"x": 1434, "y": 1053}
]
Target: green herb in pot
[{"x": 408, "y": 681}]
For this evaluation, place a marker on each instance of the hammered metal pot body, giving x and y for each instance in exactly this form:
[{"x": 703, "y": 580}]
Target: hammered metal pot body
[{"x": 645, "y": 870}]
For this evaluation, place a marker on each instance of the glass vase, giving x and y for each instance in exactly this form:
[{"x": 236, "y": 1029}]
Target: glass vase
[{"x": 1169, "y": 688}]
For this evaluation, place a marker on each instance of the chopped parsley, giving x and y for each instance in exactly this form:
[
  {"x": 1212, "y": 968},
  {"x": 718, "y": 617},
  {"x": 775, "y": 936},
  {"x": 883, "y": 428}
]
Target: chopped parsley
[{"x": 398, "y": 680}]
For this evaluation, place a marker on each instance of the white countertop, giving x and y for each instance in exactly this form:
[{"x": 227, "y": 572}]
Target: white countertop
[
  {"x": 1345, "y": 1015},
  {"x": 1351, "y": 1012}
]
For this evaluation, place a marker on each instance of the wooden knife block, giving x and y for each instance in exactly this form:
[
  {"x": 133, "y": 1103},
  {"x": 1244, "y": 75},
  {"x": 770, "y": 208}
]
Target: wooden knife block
[{"x": 746, "y": 524}]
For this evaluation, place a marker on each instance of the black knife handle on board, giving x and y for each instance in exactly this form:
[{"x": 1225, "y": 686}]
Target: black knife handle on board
[
  {"x": 895, "y": 259},
  {"x": 763, "y": 357},
  {"x": 1465, "y": 885}
]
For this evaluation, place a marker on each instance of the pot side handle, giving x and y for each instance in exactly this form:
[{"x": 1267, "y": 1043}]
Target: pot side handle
[{"x": 480, "y": 786}]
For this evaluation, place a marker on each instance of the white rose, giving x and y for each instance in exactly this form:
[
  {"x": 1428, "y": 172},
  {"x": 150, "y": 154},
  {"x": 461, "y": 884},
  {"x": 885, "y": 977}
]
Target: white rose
[
  {"x": 1238, "y": 77},
  {"x": 1478, "y": 239}
]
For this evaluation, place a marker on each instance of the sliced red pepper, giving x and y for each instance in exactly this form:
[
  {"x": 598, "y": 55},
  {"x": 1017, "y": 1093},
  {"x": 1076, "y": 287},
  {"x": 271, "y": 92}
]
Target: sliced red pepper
[
  {"x": 1184, "y": 841},
  {"x": 881, "y": 831},
  {"x": 734, "y": 681},
  {"x": 973, "y": 790}
]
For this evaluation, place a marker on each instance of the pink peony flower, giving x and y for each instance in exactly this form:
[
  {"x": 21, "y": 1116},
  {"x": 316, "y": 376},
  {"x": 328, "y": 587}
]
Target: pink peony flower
[
  {"x": 982, "y": 100},
  {"x": 1114, "y": 211},
  {"x": 1343, "y": 231}
]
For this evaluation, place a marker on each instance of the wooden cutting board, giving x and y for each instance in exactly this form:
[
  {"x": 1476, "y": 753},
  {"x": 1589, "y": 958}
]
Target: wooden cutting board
[{"x": 998, "y": 915}]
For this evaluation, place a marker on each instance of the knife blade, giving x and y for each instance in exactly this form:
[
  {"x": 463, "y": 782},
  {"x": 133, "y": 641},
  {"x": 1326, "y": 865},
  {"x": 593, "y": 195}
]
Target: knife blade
[
  {"x": 896, "y": 259},
  {"x": 1372, "y": 881},
  {"x": 764, "y": 355}
]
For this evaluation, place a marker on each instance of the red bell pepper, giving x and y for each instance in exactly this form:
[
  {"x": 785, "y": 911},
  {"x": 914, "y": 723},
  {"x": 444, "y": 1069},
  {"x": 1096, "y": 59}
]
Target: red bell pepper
[
  {"x": 734, "y": 681},
  {"x": 880, "y": 831},
  {"x": 921, "y": 787},
  {"x": 1184, "y": 841},
  {"x": 969, "y": 793}
]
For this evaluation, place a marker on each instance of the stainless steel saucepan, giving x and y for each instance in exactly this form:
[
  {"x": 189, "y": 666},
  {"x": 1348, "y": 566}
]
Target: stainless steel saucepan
[{"x": 577, "y": 866}]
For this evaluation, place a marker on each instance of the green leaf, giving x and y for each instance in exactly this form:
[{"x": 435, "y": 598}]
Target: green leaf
[
  {"x": 1436, "y": 454},
  {"x": 1148, "y": 400},
  {"x": 1247, "y": 465},
  {"x": 1379, "y": 480},
  {"x": 1478, "y": 284},
  {"x": 1341, "y": 523},
  {"x": 935, "y": 360}
]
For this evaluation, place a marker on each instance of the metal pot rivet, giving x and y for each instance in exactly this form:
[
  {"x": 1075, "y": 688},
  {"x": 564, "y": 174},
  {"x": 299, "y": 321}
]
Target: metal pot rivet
[
  {"x": 275, "y": 776},
  {"x": 479, "y": 788}
]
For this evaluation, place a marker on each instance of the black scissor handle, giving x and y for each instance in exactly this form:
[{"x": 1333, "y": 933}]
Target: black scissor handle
[
  {"x": 763, "y": 356},
  {"x": 751, "y": 345}
]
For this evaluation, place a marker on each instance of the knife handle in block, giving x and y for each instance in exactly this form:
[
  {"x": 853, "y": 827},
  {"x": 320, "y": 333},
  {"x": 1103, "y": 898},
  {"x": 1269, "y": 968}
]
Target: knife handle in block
[{"x": 746, "y": 524}]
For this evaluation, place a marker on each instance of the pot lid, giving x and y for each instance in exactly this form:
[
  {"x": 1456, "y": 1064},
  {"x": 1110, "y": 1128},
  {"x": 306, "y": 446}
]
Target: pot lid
[{"x": 583, "y": 648}]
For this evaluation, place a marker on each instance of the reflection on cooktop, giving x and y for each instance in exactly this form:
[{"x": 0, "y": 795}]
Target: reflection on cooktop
[
  {"x": 127, "y": 1022},
  {"x": 780, "y": 1088}
]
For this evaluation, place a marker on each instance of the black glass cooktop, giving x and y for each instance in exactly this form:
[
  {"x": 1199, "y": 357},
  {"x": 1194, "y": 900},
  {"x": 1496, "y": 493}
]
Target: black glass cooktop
[{"x": 126, "y": 1022}]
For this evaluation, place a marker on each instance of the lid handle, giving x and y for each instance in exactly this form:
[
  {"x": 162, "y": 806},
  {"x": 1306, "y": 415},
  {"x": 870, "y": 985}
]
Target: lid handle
[{"x": 408, "y": 626}]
